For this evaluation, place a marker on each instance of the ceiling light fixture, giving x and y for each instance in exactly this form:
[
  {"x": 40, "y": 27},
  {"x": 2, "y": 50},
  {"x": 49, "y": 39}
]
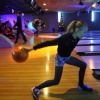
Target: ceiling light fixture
[
  {"x": 44, "y": 4},
  {"x": 34, "y": 6},
  {"x": 98, "y": 2},
  {"x": 80, "y": 3},
  {"x": 46, "y": 9},
  {"x": 95, "y": 4}
]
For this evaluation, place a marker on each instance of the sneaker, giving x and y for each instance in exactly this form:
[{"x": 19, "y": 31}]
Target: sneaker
[
  {"x": 85, "y": 88},
  {"x": 35, "y": 93}
]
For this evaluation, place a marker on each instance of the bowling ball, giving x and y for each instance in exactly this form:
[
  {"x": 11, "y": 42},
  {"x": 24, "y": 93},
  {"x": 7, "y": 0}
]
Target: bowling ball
[{"x": 19, "y": 54}]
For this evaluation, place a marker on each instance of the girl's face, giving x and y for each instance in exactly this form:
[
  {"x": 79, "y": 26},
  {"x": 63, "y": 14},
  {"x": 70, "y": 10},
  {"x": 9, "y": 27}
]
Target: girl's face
[{"x": 81, "y": 32}]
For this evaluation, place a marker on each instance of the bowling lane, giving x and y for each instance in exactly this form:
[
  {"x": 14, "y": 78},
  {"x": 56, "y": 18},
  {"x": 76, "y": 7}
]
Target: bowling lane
[
  {"x": 90, "y": 54},
  {"x": 92, "y": 35},
  {"x": 87, "y": 48},
  {"x": 92, "y": 61},
  {"x": 88, "y": 42}
]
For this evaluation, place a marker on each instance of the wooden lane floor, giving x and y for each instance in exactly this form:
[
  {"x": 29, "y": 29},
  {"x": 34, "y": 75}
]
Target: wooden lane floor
[
  {"x": 92, "y": 35},
  {"x": 17, "y": 79},
  {"x": 88, "y": 43},
  {"x": 92, "y": 61},
  {"x": 90, "y": 54},
  {"x": 89, "y": 49}
]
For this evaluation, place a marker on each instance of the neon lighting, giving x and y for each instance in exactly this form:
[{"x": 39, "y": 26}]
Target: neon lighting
[{"x": 59, "y": 16}]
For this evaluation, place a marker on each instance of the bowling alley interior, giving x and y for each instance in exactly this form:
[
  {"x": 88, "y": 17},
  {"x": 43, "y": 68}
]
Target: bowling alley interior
[{"x": 26, "y": 24}]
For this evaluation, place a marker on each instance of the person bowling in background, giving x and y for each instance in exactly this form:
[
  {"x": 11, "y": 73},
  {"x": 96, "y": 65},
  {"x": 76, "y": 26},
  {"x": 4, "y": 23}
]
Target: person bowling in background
[
  {"x": 19, "y": 28},
  {"x": 36, "y": 26},
  {"x": 66, "y": 43}
]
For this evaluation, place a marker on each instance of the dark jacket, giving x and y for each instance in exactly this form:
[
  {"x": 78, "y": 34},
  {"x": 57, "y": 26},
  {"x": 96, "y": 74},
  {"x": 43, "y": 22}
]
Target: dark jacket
[{"x": 19, "y": 22}]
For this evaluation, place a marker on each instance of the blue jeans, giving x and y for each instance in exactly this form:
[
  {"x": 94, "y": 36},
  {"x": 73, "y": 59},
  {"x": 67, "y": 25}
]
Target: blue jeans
[{"x": 60, "y": 61}]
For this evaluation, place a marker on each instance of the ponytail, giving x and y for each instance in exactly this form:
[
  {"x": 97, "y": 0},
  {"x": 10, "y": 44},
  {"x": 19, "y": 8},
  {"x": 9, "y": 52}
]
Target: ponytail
[
  {"x": 75, "y": 24},
  {"x": 71, "y": 27}
]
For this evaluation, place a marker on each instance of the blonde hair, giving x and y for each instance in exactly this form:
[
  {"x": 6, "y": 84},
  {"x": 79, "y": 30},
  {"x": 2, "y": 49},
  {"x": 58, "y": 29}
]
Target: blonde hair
[{"x": 76, "y": 24}]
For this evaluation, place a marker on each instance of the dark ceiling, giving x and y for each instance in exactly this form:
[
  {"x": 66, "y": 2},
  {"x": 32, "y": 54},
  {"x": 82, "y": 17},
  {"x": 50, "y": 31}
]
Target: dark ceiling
[
  {"x": 6, "y": 6},
  {"x": 24, "y": 6}
]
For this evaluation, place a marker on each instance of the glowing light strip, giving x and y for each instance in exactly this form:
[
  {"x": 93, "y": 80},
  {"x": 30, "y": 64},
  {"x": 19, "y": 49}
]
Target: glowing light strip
[
  {"x": 92, "y": 17},
  {"x": 59, "y": 16}
]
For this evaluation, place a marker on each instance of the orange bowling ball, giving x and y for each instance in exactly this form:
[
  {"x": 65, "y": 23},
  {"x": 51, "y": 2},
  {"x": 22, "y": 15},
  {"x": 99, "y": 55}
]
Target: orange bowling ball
[{"x": 19, "y": 54}]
